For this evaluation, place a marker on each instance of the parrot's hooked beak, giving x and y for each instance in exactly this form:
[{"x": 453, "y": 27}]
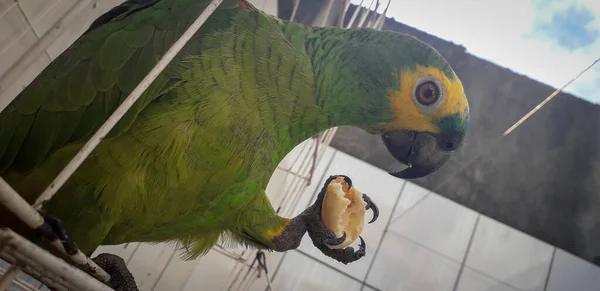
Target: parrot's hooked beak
[{"x": 423, "y": 152}]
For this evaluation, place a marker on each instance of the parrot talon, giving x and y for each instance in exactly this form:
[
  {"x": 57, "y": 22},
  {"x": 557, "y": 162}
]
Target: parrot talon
[
  {"x": 121, "y": 278},
  {"x": 54, "y": 229},
  {"x": 335, "y": 241},
  {"x": 347, "y": 180},
  {"x": 371, "y": 205},
  {"x": 362, "y": 247},
  {"x": 323, "y": 238},
  {"x": 346, "y": 255}
]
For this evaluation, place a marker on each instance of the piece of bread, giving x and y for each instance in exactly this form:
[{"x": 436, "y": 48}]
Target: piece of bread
[{"x": 343, "y": 209}]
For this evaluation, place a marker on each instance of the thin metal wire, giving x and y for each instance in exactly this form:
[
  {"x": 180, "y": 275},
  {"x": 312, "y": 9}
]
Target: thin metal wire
[
  {"x": 262, "y": 261},
  {"x": 8, "y": 277},
  {"x": 366, "y": 14},
  {"x": 381, "y": 20},
  {"x": 295, "y": 10},
  {"x": 314, "y": 160},
  {"x": 534, "y": 110},
  {"x": 295, "y": 173},
  {"x": 354, "y": 14}
]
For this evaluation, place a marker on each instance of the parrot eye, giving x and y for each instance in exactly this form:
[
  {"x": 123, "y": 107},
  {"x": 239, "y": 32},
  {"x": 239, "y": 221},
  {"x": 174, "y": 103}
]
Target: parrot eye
[{"x": 428, "y": 93}]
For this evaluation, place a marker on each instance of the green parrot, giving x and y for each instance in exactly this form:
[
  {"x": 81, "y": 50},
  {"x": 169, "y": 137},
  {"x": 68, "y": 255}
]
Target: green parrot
[{"x": 191, "y": 159}]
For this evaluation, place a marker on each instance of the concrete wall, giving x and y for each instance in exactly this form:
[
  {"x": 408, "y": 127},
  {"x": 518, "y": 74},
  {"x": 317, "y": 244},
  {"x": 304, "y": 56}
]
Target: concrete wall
[{"x": 543, "y": 179}]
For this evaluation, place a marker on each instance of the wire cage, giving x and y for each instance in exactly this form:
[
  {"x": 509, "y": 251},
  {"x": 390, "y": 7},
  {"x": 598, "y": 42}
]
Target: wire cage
[{"x": 27, "y": 266}]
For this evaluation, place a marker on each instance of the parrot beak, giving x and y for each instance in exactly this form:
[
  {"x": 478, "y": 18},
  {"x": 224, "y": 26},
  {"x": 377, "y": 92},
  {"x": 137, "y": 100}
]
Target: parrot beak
[{"x": 423, "y": 152}]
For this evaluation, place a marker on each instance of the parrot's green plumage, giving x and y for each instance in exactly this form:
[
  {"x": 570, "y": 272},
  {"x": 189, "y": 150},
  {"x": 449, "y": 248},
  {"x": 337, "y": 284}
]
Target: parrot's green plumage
[{"x": 191, "y": 159}]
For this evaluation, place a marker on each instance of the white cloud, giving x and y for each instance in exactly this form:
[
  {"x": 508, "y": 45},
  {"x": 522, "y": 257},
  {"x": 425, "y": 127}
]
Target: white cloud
[{"x": 503, "y": 33}]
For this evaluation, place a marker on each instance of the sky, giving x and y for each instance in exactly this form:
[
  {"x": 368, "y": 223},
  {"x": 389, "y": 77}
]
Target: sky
[{"x": 550, "y": 41}]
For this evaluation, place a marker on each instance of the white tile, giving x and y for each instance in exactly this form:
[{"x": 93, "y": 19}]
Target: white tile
[
  {"x": 411, "y": 194},
  {"x": 437, "y": 223},
  {"x": 267, "y": 6},
  {"x": 43, "y": 14},
  {"x": 509, "y": 255},
  {"x": 299, "y": 273},
  {"x": 212, "y": 272},
  {"x": 471, "y": 280},
  {"x": 7, "y": 95},
  {"x": 383, "y": 190},
  {"x": 176, "y": 275},
  {"x": 15, "y": 35},
  {"x": 572, "y": 273},
  {"x": 402, "y": 265},
  {"x": 80, "y": 25},
  {"x": 252, "y": 283},
  {"x": 147, "y": 263}
]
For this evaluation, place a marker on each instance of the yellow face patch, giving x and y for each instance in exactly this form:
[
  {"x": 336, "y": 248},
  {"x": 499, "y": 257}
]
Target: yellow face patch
[{"x": 410, "y": 114}]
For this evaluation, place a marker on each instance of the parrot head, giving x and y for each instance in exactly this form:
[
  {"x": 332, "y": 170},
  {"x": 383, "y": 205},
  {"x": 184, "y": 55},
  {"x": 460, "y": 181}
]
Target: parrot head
[
  {"x": 430, "y": 120},
  {"x": 426, "y": 115}
]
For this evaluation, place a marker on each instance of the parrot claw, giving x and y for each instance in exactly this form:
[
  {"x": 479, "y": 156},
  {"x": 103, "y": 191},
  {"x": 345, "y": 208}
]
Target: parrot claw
[
  {"x": 120, "y": 277},
  {"x": 371, "y": 205},
  {"x": 53, "y": 229},
  {"x": 345, "y": 255},
  {"x": 346, "y": 179},
  {"x": 335, "y": 241},
  {"x": 323, "y": 238}
]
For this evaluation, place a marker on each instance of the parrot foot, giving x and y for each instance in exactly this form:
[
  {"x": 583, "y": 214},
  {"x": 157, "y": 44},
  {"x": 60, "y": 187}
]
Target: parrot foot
[
  {"x": 323, "y": 237},
  {"x": 120, "y": 277},
  {"x": 345, "y": 255},
  {"x": 373, "y": 206},
  {"x": 52, "y": 229}
]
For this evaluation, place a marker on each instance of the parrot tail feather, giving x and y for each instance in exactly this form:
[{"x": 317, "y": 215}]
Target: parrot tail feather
[{"x": 192, "y": 247}]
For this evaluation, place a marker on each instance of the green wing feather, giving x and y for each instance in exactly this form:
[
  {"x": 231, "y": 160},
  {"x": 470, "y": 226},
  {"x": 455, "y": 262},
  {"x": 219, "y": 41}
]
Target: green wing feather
[{"x": 79, "y": 90}]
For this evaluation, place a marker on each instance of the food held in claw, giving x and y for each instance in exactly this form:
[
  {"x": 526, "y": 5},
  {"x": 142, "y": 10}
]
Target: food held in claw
[{"x": 343, "y": 211}]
